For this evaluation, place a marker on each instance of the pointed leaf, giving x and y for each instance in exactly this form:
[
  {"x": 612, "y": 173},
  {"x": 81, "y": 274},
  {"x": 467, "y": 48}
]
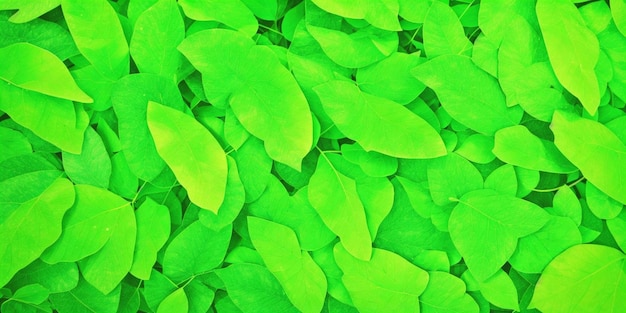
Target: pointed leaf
[
  {"x": 153, "y": 230},
  {"x": 446, "y": 293},
  {"x": 443, "y": 32},
  {"x": 92, "y": 166},
  {"x": 232, "y": 13}
]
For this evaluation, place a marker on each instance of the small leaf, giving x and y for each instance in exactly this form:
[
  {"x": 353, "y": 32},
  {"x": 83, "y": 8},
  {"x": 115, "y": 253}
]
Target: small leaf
[
  {"x": 232, "y": 13},
  {"x": 39, "y": 70},
  {"x": 92, "y": 166},
  {"x": 573, "y": 50},
  {"x": 584, "y": 278},
  {"x": 387, "y": 280},
  {"x": 595, "y": 150},
  {"x": 500, "y": 291},
  {"x": 394, "y": 130},
  {"x": 193, "y": 154},
  {"x": 601, "y": 205},
  {"x": 334, "y": 196},
  {"x": 485, "y": 227},
  {"x": 153, "y": 230},
  {"x": 446, "y": 293},
  {"x": 86, "y": 299},
  {"x": 28, "y": 10},
  {"x": 175, "y": 302},
  {"x": 302, "y": 279}
]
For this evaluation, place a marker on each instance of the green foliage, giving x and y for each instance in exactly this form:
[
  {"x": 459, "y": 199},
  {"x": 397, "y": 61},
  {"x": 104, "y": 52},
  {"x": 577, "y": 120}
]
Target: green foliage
[{"x": 243, "y": 156}]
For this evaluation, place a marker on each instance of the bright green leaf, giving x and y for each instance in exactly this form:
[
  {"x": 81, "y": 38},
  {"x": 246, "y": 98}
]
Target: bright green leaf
[
  {"x": 446, "y": 293},
  {"x": 443, "y": 32},
  {"x": 174, "y": 303},
  {"x": 86, "y": 299},
  {"x": 92, "y": 166},
  {"x": 153, "y": 229},
  {"x": 232, "y": 13}
]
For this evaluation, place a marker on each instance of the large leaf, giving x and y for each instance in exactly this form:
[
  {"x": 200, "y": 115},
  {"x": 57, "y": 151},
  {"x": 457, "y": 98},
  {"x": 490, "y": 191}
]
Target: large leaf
[
  {"x": 98, "y": 34},
  {"x": 386, "y": 281},
  {"x": 55, "y": 120},
  {"x": 193, "y": 154},
  {"x": 157, "y": 33},
  {"x": 585, "y": 279},
  {"x": 301, "y": 278},
  {"x": 92, "y": 166},
  {"x": 195, "y": 250},
  {"x": 393, "y": 129},
  {"x": 39, "y": 70},
  {"x": 485, "y": 227},
  {"x": 516, "y": 145},
  {"x": 232, "y": 13},
  {"x": 335, "y": 198},
  {"x": 468, "y": 94},
  {"x": 261, "y": 92},
  {"x": 253, "y": 289},
  {"x": 573, "y": 50},
  {"x": 443, "y": 32},
  {"x": 23, "y": 242},
  {"x": 595, "y": 150}
]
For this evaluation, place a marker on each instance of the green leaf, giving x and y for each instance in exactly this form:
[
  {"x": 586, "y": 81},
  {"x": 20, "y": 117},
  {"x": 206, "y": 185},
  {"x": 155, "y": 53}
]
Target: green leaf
[
  {"x": 302, "y": 279},
  {"x": 55, "y": 120},
  {"x": 153, "y": 230},
  {"x": 485, "y": 227},
  {"x": 595, "y": 150},
  {"x": 500, "y": 291},
  {"x": 175, "y": 302},
  {"x": 618, "y": 11},
  {"x": 394, "y": 130},
  {"x": 451, "y": 177},
  {"x": 92, "y": 166},
  {"x": 334, "y": 196},
  {"x": 29, "y": 298},
  {"x": 477, "y": 148},
  {"x": 479, "y": 93},
  {"x": 130, "y": 98},
  {"x": 232, "y": 204},
  {"x": 13, "y": 143},
  {"x": 443, "y": 32},
  {"x": 39, "y": 70},
  {"x": 387, "y": 280},
  {"x": 195, "y": 250},
  {"x": 229, "y": 63},
  {"x": 56, "y": 278},
  {"x": 600, "y": 204},
  {"x": 380, "y": 13},
  {"x": 24, "y": 242},
  {"x": 28, "y": 10},
  {"x": 573, "y": 50},
  {"x": 253, "y": 289},
  {"x": 232, "y": 13},
  {"x": 516, "y": 145},
  {"x": 193, "y": 154},
  {"x": 535, "y": 251},
  {"x": 157, "y": 33},
  {"x": 98, "y": 34},
  {"x": 446, "y": 293},
  {"x": 584, "y": 278},
  {"x": 391, "y": 78},
  {"x": 86, "y": 299},
  {"x": 364, "y": 47}
]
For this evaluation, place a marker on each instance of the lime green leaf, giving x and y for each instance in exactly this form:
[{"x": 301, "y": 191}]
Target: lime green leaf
[
  {"x": 477, "y": 148},
  {"x": 371, "y": 162},
  {"x": 566, "y": 204},
  {"x": 535, "y": 251},
  {"x": 192, "y": 153},
  {"x": 443, "y": 32},
  {"x": 39, "y": 70},
  {"x": 29, "y": 298},
  {"x": 55, "y": 120},
  {"x": 232, "y": 13},
  {"x": 585, "y": 279},
  {"x": 391, "y": 78},
  {"x": 92, "y": 166},
  {"x": 445, "y": 293},
  {"x": 195, "y": 250},
  {"x": 600, "y": 204},
  {"x": 60, "y": 277},
  {"x": 478, "y": 93},
  {"x": 377, "y": 197},
  {"x": 500, "y": 291},
  {"x": 253, "y": 289},
  {"x": 362, "y": 48},
  {"x": 302, "y": 279},
  {"x": 386, "y": 281},
  {"x": 334, "y": 196},
  {"x": 157, "y": 33},
  {"x": 175, "y": 302},
  {"x": 485, "y": 227},
  {"x": 24, "y": 242},
  {"x": 28, "y": 10},
  {"x": 380, "y": 13},
  {"x": 86, "y": 299},
  {"x": 98, "y": 34},
  {"x": 516, "y": 145},
  {"x": 617, "y": 227},
  {"x": 130, "y": 102},
  {"x": 232, "y": 204},
  {"x": 618, "y": 11},
  {"x": 229, "y": 63},
  {"x": 595, "y": 150},
  {"x": 153, "y": 229},
  {"x": 13, "y": 143},
  {"x": 394, "y": 130},
  {"x": 573, "y": 50},
  {"x": 451, "y": 177}
]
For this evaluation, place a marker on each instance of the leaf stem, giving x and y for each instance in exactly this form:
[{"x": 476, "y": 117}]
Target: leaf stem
[
  {"x": 132, "y": 202},
  {"x": 272, "y": 30},
  {"x": 572, "y": 184}
]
